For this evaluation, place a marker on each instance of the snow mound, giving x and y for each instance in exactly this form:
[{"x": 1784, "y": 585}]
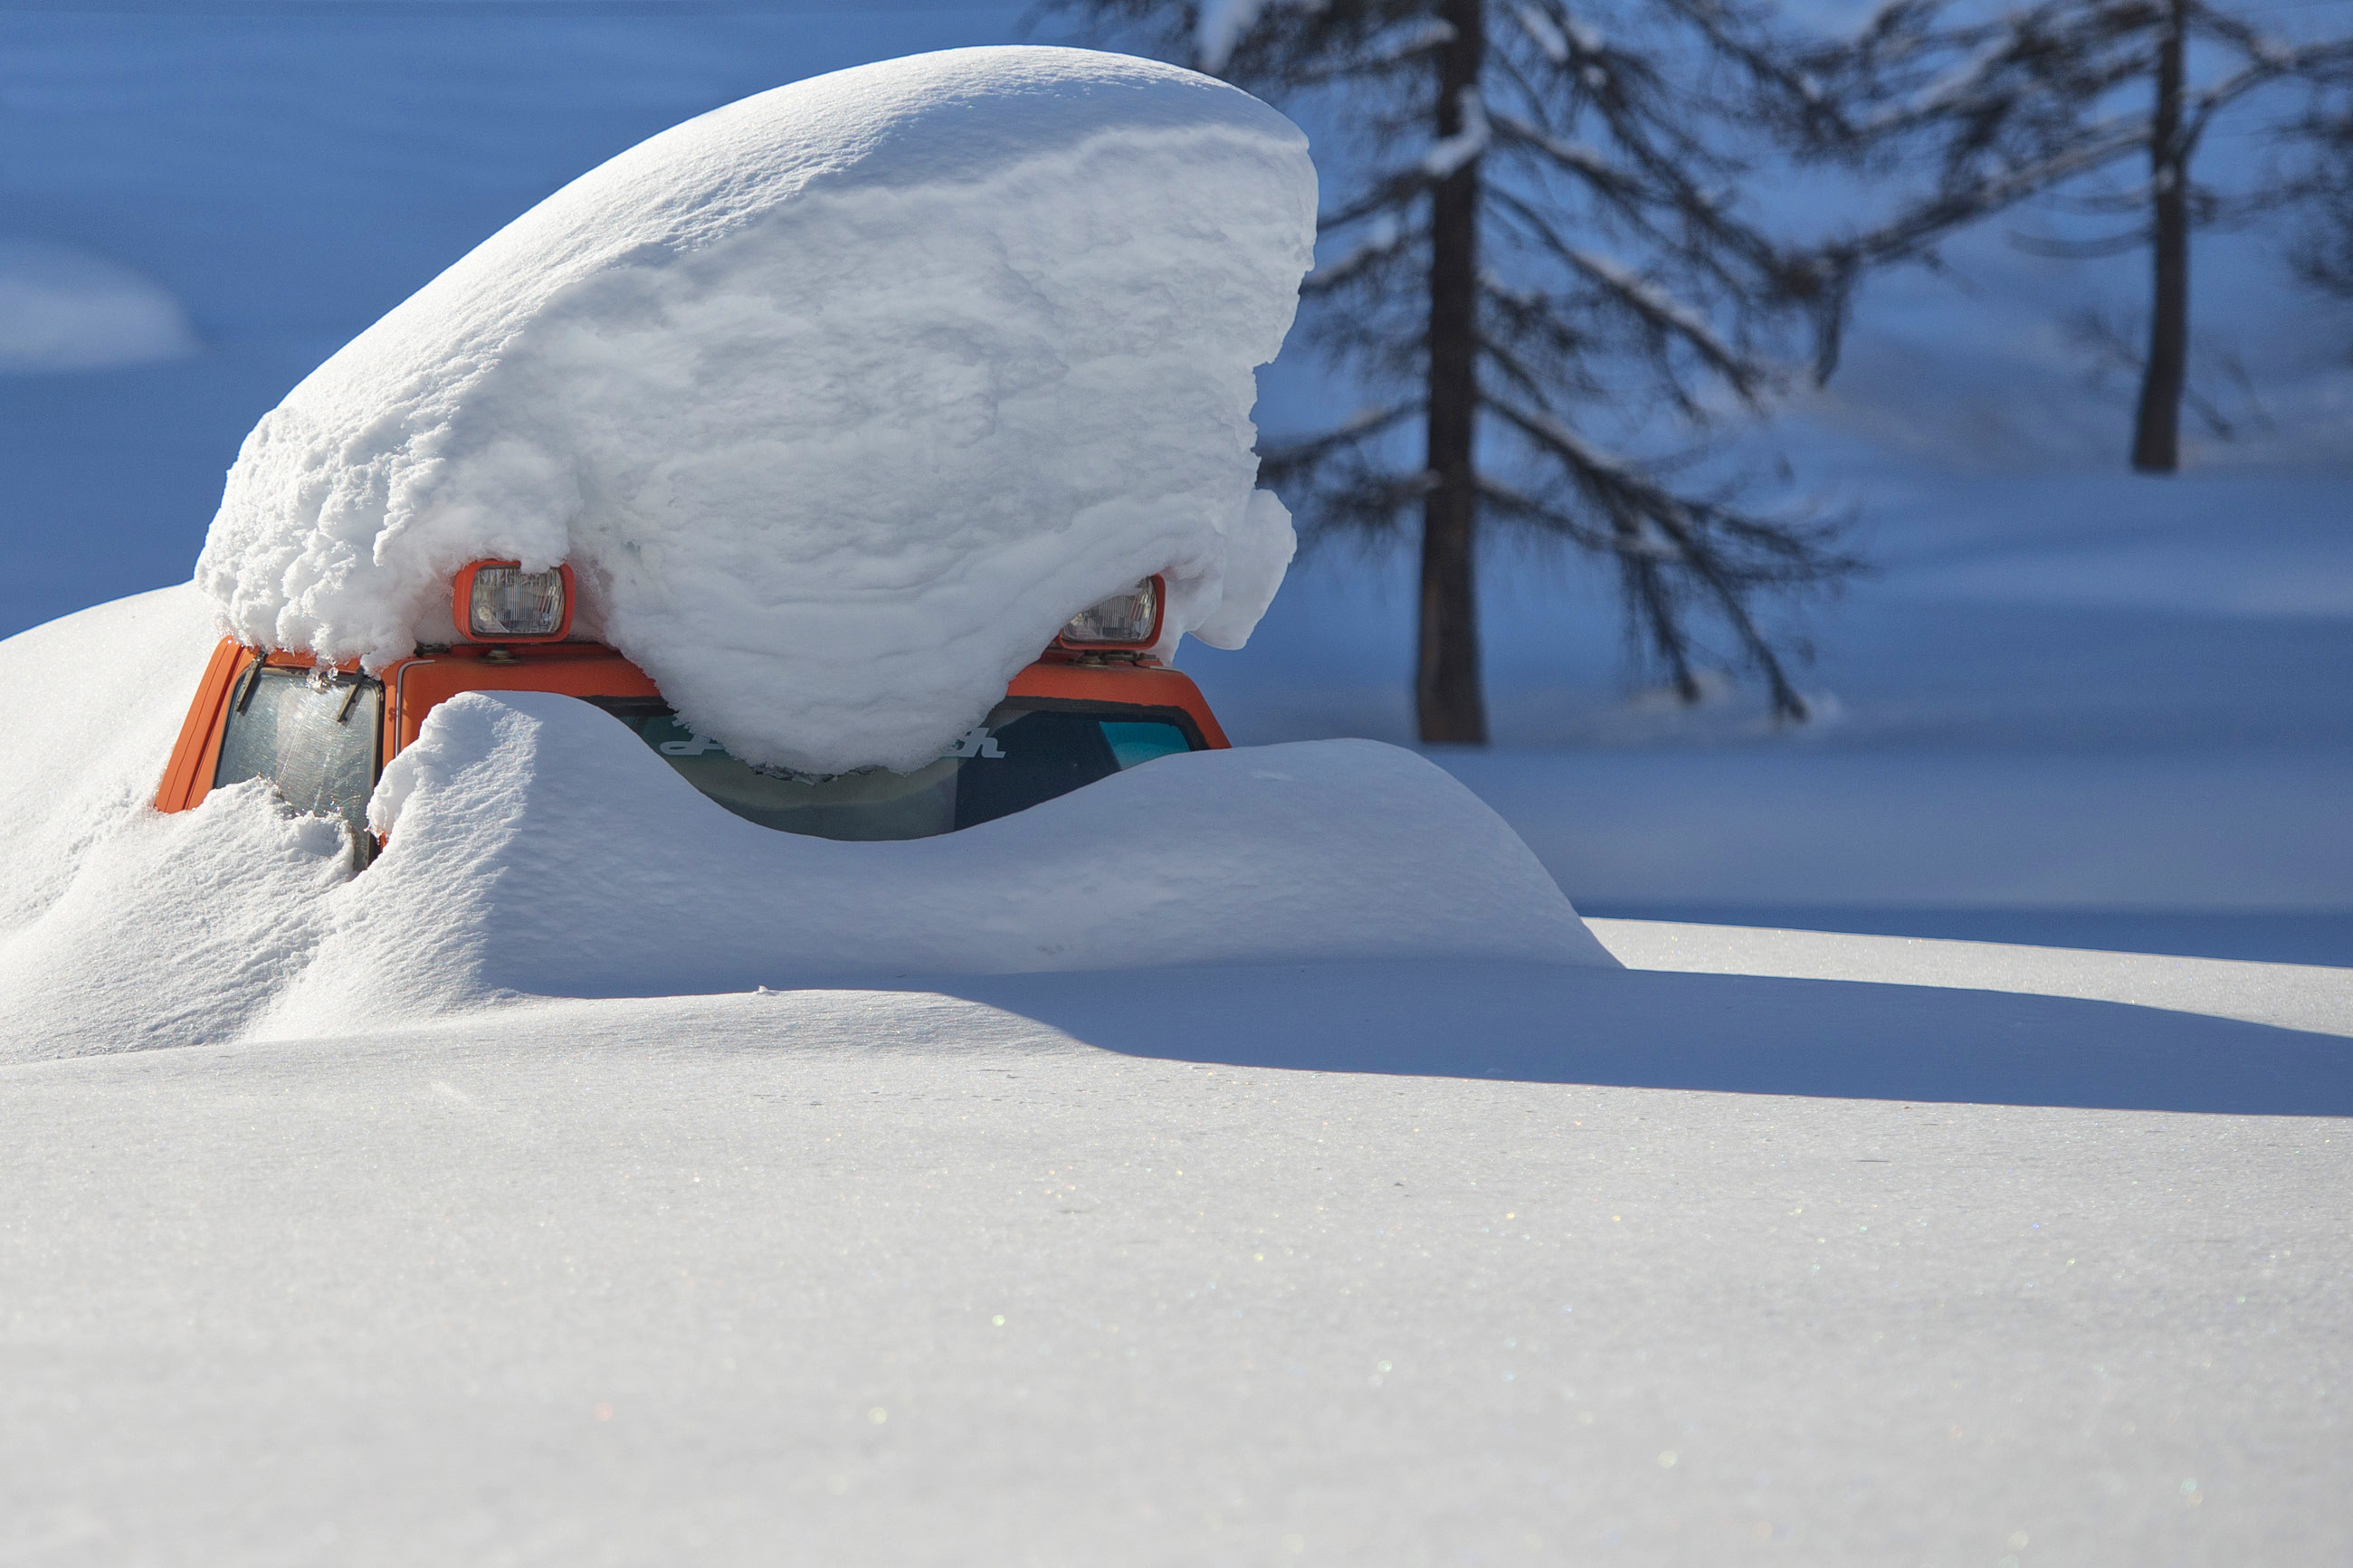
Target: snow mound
[
  {"x": 840, "y": 400},
  {"x": 121, "y": 929},
  {"x": 62, "y": 308},
  {"x": 541, "y": 849}
]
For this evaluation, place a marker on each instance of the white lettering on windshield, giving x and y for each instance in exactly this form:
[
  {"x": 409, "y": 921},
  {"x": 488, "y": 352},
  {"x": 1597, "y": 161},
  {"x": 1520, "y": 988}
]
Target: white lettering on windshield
[
  {"x": 974, "y": 742},
  {"x": 694, "y": 748}
]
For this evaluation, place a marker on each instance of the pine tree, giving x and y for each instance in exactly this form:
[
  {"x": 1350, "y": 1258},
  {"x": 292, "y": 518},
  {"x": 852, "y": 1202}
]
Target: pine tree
[
  {"x": 1541, "y": 254},
  {"x": 2051, "y": 101}
]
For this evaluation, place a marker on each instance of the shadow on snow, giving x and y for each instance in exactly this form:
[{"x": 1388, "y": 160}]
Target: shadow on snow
[{"x": 1735, "y": 1033}]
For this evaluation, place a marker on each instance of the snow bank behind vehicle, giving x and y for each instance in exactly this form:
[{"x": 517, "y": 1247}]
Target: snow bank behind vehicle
[
  {"x": 540, "y": 848},
  {"x": 841, "y": 400}
]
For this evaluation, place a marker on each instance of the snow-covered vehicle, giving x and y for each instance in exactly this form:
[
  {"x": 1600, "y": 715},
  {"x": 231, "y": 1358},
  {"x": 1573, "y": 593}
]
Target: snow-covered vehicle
[
  {"x": 1094, "y": 704},
  {"x": 912, "y": 437},
  {"x": 858, "y": 454}
]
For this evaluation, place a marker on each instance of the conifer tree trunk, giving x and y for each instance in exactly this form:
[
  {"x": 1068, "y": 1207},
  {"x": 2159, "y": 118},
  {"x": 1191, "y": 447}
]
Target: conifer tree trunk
[
  {"x": 1447, "y": 694},
  {"x": 2156, "y": 437}
]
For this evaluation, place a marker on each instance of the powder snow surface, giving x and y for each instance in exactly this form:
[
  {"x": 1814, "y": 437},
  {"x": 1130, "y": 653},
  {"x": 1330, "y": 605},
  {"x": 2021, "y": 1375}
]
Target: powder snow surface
[
  {"x": 1024, "y": 1272},
  {"x": 839, "y": 399}
]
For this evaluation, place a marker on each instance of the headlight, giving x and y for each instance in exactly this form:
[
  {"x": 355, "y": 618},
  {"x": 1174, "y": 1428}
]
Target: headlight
[
  {"x": 1124, "y": 620},
  {"x": 497, "y": 601}
]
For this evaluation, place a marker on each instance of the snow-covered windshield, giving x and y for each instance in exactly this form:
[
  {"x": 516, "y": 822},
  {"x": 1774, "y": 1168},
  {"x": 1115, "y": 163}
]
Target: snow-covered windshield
[
  {"x": 313, "y": 738},
  {"x": 1027, "y": 751}
]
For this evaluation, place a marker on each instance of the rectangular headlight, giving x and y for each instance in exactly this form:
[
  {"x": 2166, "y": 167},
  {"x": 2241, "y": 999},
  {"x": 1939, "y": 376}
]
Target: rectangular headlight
[
  {"x": 503, "y": 602},
  {"x": 1124, "y": 620}
]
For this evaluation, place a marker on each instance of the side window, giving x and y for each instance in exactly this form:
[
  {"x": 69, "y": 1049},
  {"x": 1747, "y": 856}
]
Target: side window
[
  {"x": 1038, "y": 755},
  {"x": 1135, "y": 745},
  {"x": 1024, "y": 752},
  {"x": 313, "y": 738}
]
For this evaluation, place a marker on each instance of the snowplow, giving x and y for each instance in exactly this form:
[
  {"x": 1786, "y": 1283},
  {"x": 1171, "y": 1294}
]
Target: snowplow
[{"x": 1094, "y": 703}]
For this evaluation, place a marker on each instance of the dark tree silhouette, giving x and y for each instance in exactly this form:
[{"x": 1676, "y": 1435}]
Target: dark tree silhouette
[
  {"x": 2323, "y": 251},
  {"x": 2054, "y": 101},
  {"x": 1542, "y": 250}
]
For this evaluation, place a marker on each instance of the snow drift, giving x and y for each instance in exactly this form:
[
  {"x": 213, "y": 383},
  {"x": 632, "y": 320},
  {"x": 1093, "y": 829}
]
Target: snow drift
[
  {"x": 543, "y": 850},
  {"x": 840, "y": 400}
]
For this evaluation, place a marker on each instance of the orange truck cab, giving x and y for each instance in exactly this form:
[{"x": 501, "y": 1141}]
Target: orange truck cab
[{"x": 1094, "y": 703}]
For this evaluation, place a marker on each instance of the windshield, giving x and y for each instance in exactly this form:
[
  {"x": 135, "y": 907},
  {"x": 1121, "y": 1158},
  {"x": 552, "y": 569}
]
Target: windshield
[
  {"x": 1027, "y": 751},
  {"x": 312, "y": 733}
]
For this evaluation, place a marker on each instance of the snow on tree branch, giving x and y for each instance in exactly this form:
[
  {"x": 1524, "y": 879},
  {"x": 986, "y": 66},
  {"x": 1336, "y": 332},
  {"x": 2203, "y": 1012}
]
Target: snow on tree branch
[
  {"x": 1451, "y": 153},
  {"x": 1575, "y": 157},
  {"x": 1548, "y": 35},
  {"x": 1220, "y": 28},
  {"x": 1364, "y": 425},
  {"x": 1666, "y": 314},
  {"x": 1387, "y": 238}
]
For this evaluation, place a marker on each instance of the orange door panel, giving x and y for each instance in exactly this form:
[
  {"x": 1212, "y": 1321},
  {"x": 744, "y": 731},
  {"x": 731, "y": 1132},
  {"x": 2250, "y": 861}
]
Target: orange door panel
[
  {"x": 188, "y": 776},
  {"x": 417, "y": 686}
]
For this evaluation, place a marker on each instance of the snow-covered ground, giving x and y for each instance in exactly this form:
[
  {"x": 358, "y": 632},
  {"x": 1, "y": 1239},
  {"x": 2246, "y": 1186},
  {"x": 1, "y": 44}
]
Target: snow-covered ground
[
  {"x": 1387, "y": 1264},
  {"x": 1786, "y": 1242}
]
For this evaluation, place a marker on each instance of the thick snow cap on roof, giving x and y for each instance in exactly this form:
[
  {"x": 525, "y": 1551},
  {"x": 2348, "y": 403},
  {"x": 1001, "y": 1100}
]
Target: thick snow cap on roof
[{"x": 839, "y": 400}]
